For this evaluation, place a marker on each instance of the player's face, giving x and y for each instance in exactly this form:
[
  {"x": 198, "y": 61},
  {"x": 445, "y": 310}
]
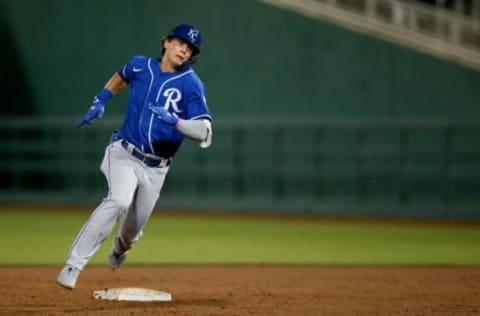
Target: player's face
[{"x": 177, "y": 51}]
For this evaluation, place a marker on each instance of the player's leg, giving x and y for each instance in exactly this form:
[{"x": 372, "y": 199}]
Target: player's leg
[
  {"x": 132, "y": 224},
  {"x": 120, "y": 248},
  {"x": 122, "y": 182}
]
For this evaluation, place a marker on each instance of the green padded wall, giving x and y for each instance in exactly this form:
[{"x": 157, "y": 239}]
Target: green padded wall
[
  {"x": 256, "y": 60},
  {"x": 343, "y": 123}
]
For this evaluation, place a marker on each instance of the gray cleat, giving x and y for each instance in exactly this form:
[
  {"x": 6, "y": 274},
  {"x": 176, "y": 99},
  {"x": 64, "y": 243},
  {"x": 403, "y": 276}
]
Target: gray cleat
[
  {"x": 116, "y": 259},
  {"x": 118, "y": 254},
  {"x": 68, "y": 277}
]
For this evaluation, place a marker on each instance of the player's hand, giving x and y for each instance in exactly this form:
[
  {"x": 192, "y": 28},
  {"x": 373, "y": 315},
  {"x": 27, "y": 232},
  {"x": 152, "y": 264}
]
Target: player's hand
[
  {"x": 164, "y": 115},
  {"x": 96, "y": 111}
]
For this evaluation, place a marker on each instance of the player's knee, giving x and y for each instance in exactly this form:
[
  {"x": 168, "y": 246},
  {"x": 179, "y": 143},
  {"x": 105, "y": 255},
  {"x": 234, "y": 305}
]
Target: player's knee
[{"x": 120, "y": 204}]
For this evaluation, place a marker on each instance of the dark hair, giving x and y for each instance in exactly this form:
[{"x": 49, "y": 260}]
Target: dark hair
[{"x": 195, "y": 50}]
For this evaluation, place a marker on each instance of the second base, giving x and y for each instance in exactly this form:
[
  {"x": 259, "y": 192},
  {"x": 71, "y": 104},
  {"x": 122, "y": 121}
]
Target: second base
[{"x": 132, "y": 294}]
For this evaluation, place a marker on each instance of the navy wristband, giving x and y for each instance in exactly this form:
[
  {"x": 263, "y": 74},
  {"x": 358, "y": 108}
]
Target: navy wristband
[{"x": 104, "y": 96}]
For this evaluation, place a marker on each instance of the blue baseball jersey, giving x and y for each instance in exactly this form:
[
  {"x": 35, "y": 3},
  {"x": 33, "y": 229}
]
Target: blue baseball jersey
[{"x": 181, "y": 93}]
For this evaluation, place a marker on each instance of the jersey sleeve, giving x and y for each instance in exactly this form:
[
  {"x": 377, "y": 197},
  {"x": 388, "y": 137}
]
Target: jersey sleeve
[
  {"x": 196, "y": 102},
  {"x": 130, "y": 70}
]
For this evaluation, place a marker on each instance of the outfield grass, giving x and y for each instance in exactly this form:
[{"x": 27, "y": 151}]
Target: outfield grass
[{"x": 42, "y": 237}]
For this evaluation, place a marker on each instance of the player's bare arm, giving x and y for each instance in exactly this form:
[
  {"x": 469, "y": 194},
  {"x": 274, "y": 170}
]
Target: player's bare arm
[
  {"x": 113, "y": 86},
  {"x": 116, "y": 84}
]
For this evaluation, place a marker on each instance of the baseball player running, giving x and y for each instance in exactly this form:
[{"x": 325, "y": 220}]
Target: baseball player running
[{"x": 167, "y": 103}]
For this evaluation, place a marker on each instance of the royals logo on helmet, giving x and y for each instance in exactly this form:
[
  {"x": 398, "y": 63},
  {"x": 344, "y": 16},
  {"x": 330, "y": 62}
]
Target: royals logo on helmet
[{"x": 193, "y": 34}]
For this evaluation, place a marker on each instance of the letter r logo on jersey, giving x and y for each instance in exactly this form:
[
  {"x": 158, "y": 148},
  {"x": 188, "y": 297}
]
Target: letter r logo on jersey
[{"x": 173, "y": 96}]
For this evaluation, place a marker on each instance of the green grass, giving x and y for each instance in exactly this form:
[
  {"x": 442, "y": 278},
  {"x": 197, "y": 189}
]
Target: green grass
[{"x": 42, "y": 237}]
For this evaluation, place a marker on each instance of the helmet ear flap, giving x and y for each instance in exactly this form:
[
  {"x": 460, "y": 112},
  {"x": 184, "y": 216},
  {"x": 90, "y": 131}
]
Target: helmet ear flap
[
  {"x": 192, "y": 60},
  {"x": 189, "y": 62}
]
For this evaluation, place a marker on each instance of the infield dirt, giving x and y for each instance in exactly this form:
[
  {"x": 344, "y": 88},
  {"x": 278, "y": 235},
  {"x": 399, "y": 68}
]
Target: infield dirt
[{"x": 249, "y": 290}]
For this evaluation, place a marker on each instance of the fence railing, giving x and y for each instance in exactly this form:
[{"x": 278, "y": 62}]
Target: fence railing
[
  {"x": 334, "y": 167},
  {"x": 437, "y": 31}
]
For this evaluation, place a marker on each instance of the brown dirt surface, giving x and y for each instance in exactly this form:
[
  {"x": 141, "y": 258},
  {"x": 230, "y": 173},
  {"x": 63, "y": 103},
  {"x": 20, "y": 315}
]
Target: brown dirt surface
[{"x": 248, "y": 290}]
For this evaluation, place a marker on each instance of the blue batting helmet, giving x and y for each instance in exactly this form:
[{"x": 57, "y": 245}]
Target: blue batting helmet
[{"x": 189, "y": 34}]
